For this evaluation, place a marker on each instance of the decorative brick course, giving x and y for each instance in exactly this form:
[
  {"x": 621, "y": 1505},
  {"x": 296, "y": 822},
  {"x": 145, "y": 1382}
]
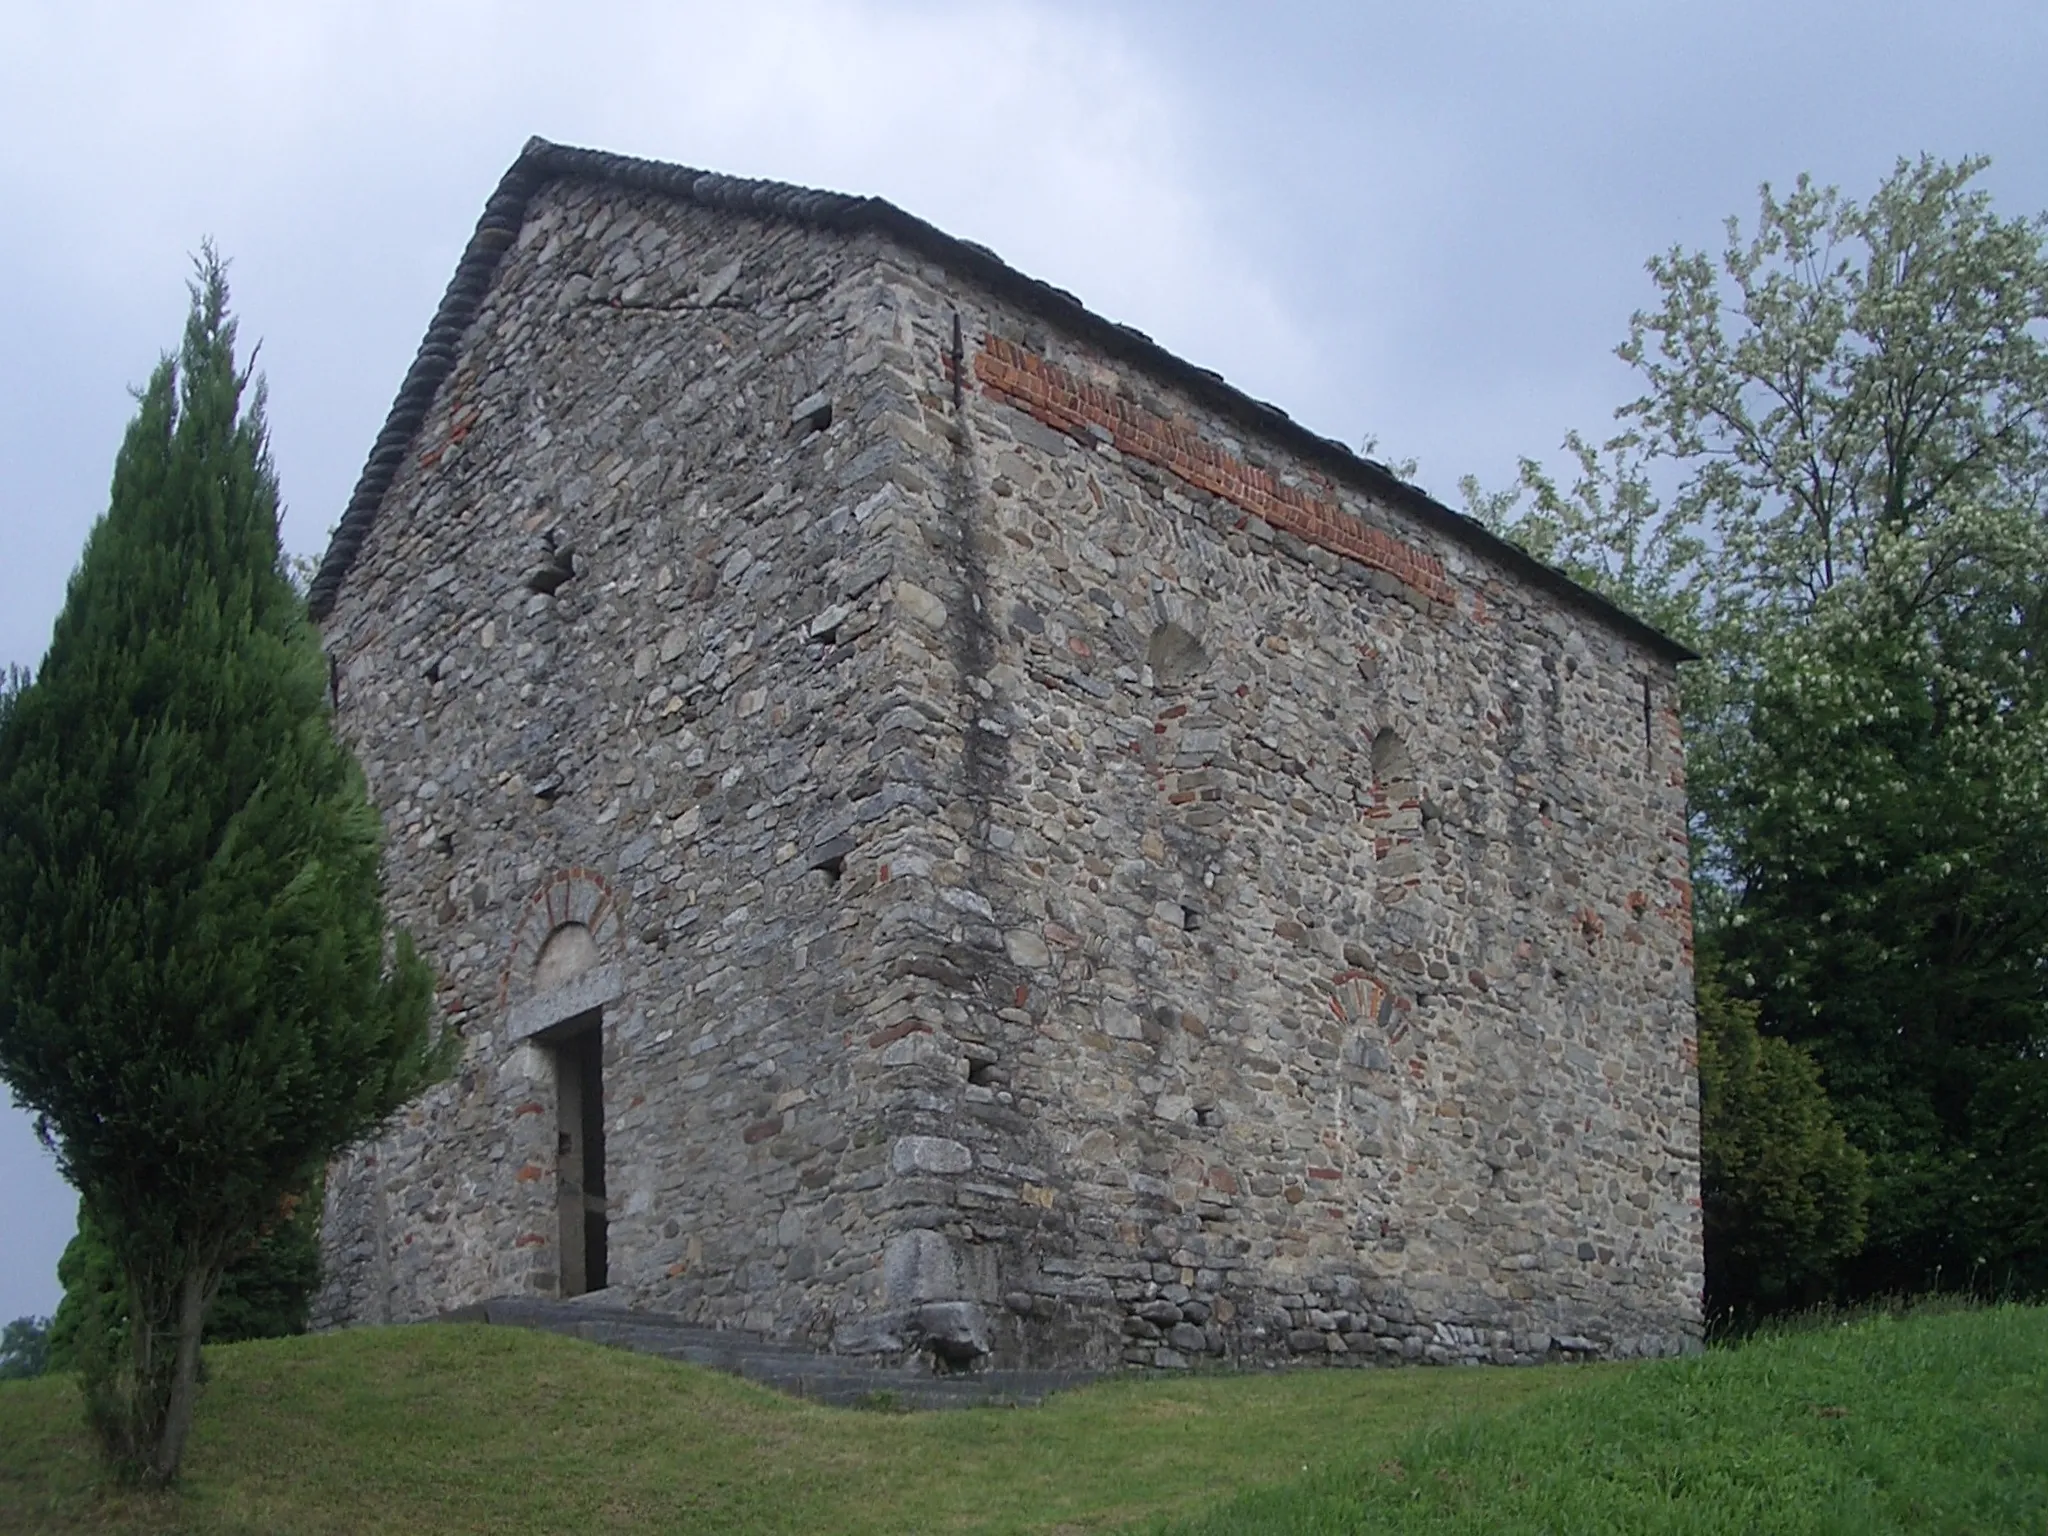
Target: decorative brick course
[{"x": 1062, "y": 401}]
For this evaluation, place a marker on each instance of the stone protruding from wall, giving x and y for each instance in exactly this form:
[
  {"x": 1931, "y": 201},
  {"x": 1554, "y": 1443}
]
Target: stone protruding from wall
[{"x": 923, "y": 1306}]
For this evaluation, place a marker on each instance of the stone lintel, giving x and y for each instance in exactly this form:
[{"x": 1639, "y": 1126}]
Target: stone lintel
[{"x": 557, "y": 1006}]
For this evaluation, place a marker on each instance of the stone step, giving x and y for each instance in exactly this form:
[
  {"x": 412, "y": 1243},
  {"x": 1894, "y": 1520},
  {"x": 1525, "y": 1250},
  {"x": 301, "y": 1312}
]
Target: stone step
[{"x": 838, "y": 1380}]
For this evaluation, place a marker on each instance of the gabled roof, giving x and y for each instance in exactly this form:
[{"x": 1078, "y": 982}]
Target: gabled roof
[{"x": 541, "y": 162}]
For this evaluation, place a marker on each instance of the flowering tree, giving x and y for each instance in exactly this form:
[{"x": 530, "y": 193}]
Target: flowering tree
[{"x": 1835, "y": 485}]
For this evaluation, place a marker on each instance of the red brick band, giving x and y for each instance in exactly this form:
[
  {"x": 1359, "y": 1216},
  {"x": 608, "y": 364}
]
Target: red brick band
[{"x": 1062, "y": 401}]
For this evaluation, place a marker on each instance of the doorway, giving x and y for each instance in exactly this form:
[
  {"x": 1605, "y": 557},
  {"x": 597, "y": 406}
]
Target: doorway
[{"x": 579, "y": 1154}]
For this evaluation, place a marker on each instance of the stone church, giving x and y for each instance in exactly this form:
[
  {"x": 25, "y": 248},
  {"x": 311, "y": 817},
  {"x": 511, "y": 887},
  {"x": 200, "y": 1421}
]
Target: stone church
[{"x": 946, "y": 830}]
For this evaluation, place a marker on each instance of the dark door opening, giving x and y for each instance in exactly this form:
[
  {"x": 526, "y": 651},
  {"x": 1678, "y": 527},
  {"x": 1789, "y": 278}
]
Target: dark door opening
[{"x": 579, "y": 1161}]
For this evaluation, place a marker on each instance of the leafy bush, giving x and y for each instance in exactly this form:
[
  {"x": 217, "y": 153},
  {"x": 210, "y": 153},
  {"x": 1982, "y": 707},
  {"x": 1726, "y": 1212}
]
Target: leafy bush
[
  {"x": 1785, "y": 1192},
  {"x": 264, "y": 1294},
  {"x": 24, "y": 1348}
]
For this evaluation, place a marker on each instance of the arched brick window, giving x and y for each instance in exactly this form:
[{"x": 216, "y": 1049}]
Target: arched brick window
[
  {"x": 1175, "y": 656},
  {"x": 1393, "y": 770},
  {"x": 570, "y": 925}
]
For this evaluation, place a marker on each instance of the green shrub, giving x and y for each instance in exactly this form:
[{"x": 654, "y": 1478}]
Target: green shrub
[
  {"x": 264, "y": 1294},
  {"x": 24, "y": 1348},
  {"x": 1784, "y": 1191}
]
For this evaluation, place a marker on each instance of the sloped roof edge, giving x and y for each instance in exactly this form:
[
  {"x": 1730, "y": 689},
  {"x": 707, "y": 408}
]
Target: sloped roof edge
[{"x": 541, "y": 162}]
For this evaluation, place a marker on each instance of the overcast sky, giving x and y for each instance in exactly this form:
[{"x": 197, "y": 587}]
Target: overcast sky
[{"x": 1423, "y": 222}]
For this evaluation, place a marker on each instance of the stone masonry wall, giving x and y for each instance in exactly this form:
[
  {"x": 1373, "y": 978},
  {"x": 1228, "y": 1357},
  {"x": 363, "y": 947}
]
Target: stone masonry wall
[
  {"x": 1347, "y": 966},
  {"x": 1085, "y": 888},
  {"x": 693, "y": 733}
]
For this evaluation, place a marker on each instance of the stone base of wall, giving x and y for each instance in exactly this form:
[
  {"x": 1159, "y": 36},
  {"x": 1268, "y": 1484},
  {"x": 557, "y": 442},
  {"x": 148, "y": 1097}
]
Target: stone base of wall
[
  {"x": 1166, "y": 1325},
  {"x": 1179, "y": 1328}
]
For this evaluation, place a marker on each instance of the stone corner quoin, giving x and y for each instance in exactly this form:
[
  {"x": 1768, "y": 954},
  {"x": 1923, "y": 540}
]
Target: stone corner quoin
[{"x": 940, "y": 843}]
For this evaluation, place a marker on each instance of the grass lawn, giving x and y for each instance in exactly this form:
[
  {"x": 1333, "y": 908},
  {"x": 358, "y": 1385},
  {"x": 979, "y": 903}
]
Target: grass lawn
[
  {"x": 1933, "y": 1423},
  {"x": 498, "y": 1430},
  {"x": 1928, "y": 1423}
]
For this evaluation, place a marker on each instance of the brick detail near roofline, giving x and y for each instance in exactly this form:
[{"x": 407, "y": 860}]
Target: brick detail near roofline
[
  {"x": 1062, "y": 401},
  {"x": 541, "y": 162}
]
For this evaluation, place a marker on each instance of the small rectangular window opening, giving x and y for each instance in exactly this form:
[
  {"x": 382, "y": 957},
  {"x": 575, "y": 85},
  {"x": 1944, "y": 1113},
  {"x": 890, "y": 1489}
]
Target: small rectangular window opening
[
  {"x": 829, "y": 857},
  {"x": 813, "y": 414}
]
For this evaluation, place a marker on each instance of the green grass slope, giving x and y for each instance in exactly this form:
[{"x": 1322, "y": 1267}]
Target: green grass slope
[
  {"x": 1934, "y": 1423},
  {"x": 496, "y": 1430},
  {"x": 1929, "y": 1423}
]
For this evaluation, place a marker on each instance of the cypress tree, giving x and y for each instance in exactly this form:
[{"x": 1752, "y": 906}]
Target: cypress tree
[{"x": 198, "y": 1001}]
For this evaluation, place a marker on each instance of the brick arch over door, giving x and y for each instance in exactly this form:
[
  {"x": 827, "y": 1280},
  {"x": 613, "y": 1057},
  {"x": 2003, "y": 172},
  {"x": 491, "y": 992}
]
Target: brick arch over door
[{"x": 578, "y": 895}]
